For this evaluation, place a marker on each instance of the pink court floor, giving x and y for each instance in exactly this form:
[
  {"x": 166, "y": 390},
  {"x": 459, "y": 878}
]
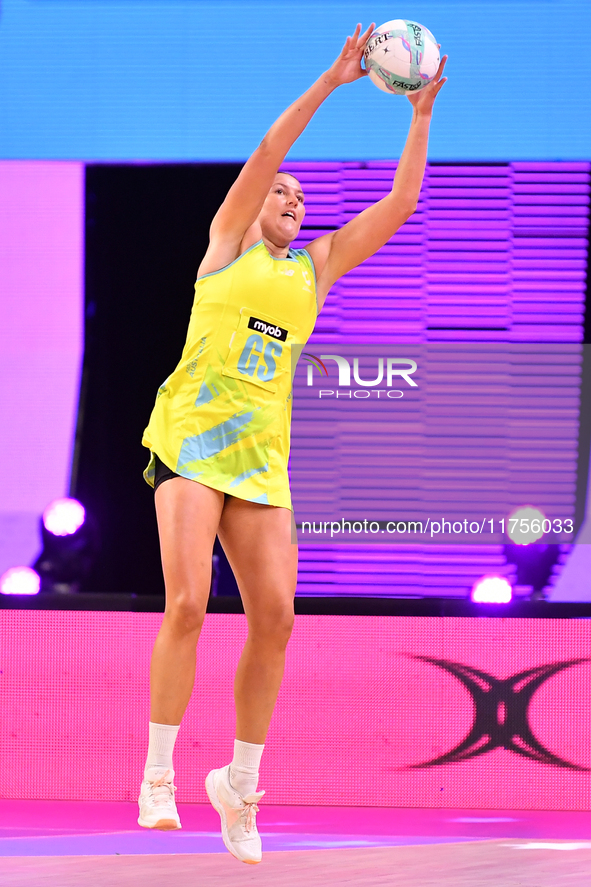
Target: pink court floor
[{"x": 62, "y": 843}]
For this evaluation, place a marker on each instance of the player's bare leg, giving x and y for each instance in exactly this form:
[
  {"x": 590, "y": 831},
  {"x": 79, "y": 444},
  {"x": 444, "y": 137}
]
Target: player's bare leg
[
  {"x": 257, "y": 542},
  {"x": 188, "y": 514}
]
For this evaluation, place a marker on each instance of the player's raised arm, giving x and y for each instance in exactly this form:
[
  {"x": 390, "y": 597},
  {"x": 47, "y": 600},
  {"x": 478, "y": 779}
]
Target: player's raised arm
[
  {"x": 247, "y": 195},
  {"x": 338, "y": 252}
]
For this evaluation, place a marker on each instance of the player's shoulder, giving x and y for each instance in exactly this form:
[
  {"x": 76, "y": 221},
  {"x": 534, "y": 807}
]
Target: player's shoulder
[
  {"x": 318, "y": 250},
  {"x": 223, "y": 252}
]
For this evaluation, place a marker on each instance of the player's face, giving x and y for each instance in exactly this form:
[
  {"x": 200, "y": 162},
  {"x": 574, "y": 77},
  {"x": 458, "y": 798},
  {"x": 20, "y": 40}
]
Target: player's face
[{"x": 283, "y": 210}]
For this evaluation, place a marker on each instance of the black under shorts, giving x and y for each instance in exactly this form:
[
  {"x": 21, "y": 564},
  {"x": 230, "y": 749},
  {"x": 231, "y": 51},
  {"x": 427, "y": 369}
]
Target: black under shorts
[{"x": 162, "y": 473}]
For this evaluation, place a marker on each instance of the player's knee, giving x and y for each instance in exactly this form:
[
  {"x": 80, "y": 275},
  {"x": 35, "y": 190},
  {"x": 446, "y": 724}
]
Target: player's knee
[
  {"x": 284, "y": 625},
  {"x": 185, "y": 615},
  {"x": 275, "y": 628}
]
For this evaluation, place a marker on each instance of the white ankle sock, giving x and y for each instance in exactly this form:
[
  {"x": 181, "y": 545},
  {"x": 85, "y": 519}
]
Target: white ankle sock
[
  {"x": 161, "y": 745},
  {"x": 244, "y": 769}
]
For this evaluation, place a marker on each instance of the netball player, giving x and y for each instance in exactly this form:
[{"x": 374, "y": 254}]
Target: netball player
[{"x": 219, "y": 440}]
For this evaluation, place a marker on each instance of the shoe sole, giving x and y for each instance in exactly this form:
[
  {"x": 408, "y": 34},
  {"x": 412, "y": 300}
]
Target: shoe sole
[
  {"x": 212, "y": 795},
  {"x": 164, "y": 825}
]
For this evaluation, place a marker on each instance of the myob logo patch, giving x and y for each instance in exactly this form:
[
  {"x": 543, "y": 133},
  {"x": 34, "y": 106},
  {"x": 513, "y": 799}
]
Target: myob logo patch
[{"x": 269, "y": 329}]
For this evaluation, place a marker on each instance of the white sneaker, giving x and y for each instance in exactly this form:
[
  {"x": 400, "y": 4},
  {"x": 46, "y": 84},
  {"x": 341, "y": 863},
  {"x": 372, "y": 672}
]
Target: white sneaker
[
  {"x": 156, "y": 800},
  {"x": 238, "y": 815}
]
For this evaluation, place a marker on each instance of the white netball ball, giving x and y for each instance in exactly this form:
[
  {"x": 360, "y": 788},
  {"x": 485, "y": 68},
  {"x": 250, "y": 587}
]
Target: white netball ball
[{"x": 402, "y": 57}]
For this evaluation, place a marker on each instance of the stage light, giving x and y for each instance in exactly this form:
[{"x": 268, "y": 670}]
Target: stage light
[
  {"x": 492, "y": 590},
  {"x": 70, "y": 545},
  {"x": 534, "y": 564},
  {"x": 63, "y": 517},
  {"x": 20, "y": 580},
  {"x": 526, "y": 525},
  {"x": 534, "y": 560}
]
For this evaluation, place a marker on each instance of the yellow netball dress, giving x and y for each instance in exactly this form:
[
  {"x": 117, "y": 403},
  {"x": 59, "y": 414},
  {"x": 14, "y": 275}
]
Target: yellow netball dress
[{"x": 223, "y": 417}]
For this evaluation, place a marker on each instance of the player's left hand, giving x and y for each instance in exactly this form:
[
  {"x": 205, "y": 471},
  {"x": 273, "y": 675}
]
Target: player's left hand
[
  {"x": 347, "y": 67},
  {"x": 423, "y": 100}
]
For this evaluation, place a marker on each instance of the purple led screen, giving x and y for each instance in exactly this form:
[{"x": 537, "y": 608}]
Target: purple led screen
[
  {"x": 486, "y": 282},
  {"x": 41, "y": 299},
  {"x": 436, "y": 441}
]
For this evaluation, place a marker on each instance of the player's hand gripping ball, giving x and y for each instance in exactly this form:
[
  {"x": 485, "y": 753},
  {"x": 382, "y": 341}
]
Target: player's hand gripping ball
[{"x": 401, "y": 57}]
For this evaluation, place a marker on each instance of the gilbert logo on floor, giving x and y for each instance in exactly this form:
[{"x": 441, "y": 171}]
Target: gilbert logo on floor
[{"x": 501, "y": 713}]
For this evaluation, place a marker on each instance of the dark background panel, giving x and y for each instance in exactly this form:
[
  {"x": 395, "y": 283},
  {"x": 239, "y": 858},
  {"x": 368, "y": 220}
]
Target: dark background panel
[{"x": 147, "y": 229}]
